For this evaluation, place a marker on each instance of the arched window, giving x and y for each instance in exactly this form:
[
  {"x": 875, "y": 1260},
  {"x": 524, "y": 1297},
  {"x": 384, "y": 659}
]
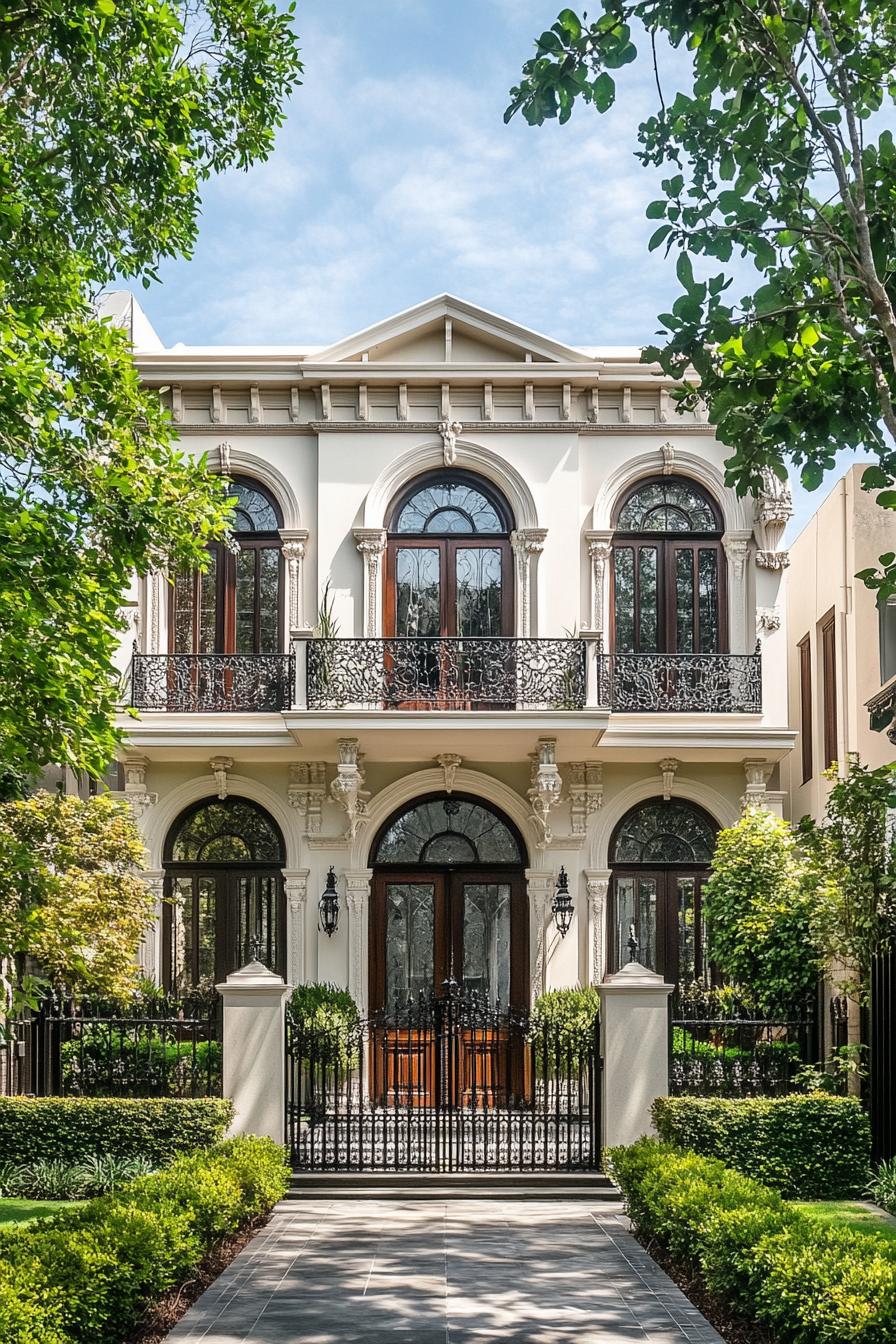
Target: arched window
[
  {"x": 224, "y": 888},
  {"x": 448, "y": 566},
  {"x": 668, "y": 575},
  {"x": 235, "y": 606},
  {"x": 449, "y": 904},
  {"x": 660, "y": 853}
]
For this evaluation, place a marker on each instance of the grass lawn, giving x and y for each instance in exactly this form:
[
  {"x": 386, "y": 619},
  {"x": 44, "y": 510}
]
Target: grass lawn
[
  {"x": 851, "y": 1213},
  {"x": 23, "y": 1210}
]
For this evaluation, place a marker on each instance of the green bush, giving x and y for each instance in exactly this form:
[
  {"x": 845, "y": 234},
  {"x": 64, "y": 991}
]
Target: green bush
[
  {"x": 70, "y": 1129},
  {"x": 328, "y": 1023},
  {"x": 107, "y": 1061},
  {"x": 882, "y": 1186},
  {"x": 812, "y": 1146},
  {"x": 89, "y": 1274},
  {"x": 51, "y": 1178},
  {"x": 799, "y": 1281},
  {"x": 566, "y": 1018}
]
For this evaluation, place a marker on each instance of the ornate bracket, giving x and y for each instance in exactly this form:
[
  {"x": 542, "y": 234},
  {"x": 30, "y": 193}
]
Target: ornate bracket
[
  {"x": 450, "y": 763},
  {"x": 135, "y": 790},
  {"x": 219, "y": 766},
  {"x": 546, "y": 788},
  {"x": 306, "y": 791},
  {"x": 768, "y": 619},
  {"x": 347, "y": 789},
  {"x": 224, "y": 451},
  {"x": 668, "y": 766},
  {"x": 586, "y": 793},
  {"x": 667, "y": 451},
  {"x": 774, "y": 508},
  {"x": 449, "y": 430}
]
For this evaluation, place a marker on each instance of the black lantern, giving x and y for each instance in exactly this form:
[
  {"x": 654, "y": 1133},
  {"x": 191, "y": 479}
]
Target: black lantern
[
  {"x": 328, "y": 906},
  {"x": 561, "y": 906}
]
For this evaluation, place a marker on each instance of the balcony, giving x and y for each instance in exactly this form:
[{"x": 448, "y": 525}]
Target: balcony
[
  {"x": 446, "y": 674},
  {"x": 213, "y": 683},
  {"x": 680, "y": 683}
]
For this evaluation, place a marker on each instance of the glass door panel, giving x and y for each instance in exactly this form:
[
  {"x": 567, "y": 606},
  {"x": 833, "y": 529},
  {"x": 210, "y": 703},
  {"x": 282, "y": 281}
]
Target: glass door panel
[
  {"x": 192, "y": 945},
  {"x": 684, "y": 601},
  {"x": 410, "y": 941},
  {"x": 635, "y": 906},
  {"x": 478, "y": 607},
  {"x": 648, "y": 606},
  {"x": 256, "y": 906},
  {"x": 708, "y": 600},
  {"x": 687, "y": 915},
  {"x": 486, "y": 940},
  {"x": 418, "y": 592},
  {"x": 195, "y": 611}
]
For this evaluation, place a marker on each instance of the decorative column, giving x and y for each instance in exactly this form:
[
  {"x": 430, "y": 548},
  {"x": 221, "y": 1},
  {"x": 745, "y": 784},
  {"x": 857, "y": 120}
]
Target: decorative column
[
  {"x": 599, "y": 556},
  {"x": 757, "y": 773},
  {"x": 737, "y": 549},
  {"x": 253, "y": 1050},
  {"x": 148, "y": 951},
  {"x": 634, "y": 1021},
  {"x": 357, "y": 898},
  {"x": 295, "y": 883},
  {"x": 597, "y": 884},
  {"x": 527, "y": 544},
  {"x": 294, "y": 551},
  {"x": 153, "y": 625},
  {"x": 135, "y": 790},
  {"x": 540, "y": 888},
  {"x": 371, "y": 542}
]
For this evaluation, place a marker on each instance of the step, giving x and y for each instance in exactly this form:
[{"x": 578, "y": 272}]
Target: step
[{"x": 594, "y": 1186}]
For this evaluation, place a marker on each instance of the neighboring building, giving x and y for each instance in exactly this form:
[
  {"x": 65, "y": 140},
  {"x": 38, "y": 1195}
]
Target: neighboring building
[
  {"x": 492, "y": 613},
  {"x": 842, "y": 643}
]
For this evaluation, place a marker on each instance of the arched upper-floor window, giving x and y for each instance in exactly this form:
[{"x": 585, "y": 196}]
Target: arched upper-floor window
[
  {"x": 448, "y": 567},
  {"x": 235, "y": 606},
  {"x": 668, "y": 571}
]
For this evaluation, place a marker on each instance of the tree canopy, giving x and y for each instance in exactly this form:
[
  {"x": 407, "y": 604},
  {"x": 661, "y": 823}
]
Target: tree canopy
[
  {"x": 113, "y": 113},
  {"x": 776, "y": 149}
]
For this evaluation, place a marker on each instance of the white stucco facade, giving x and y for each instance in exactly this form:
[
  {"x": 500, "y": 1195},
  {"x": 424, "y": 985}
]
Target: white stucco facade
[{"x": 561, "y": 434}]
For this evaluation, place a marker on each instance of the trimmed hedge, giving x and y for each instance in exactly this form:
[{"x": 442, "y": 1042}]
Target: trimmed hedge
[
  {"x": 789, "y": 1274},
  {"x": 70, "y": 1129},
  {"x": 805, "y": 1146},
  {"x": 90, "y": 1274}
]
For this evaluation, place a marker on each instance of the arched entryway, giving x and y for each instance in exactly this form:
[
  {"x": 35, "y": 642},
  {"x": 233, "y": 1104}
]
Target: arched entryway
[
  {"x": 660, "y": 854},
  {"x": 224, "y": 893},
  {"x": 449, "y": 904}
]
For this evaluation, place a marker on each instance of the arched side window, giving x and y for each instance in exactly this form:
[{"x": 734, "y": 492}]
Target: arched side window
[
  {"x": 448, "y": 565},
  {"x": 224, "y": 890},
  {"x": 668, "y": 571},
  {"x": 235, "y": 606},
  {"x": 660, "y": 853}
]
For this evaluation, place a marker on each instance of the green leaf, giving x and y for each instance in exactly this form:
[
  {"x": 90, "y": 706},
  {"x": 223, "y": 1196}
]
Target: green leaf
[
  {"x": 656, "y": 210},
  {"x": 685, "y": 271},
  {"x": 603, "y": 92},
  {"x": 658, "y": 237}
]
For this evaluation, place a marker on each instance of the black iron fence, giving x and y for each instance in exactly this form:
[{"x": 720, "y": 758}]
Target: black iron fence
[
  {"x": 458, "y": 674},
  {"x": 212, "y": 683},
  {"x": 448, "y": 1083},
  {"x": 681, "y": 683},
  {"x": 158, "y": 1046},
  {"x": 882, "y": 1056},
  {"x": 737, "y": 1053}
]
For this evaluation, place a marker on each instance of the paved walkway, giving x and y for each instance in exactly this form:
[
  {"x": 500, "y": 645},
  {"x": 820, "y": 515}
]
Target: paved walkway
[{"x": 458, "y": 1272}]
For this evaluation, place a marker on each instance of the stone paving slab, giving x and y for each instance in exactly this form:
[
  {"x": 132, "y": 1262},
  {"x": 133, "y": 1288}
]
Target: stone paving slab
[{"x": 458, "y": 1272}]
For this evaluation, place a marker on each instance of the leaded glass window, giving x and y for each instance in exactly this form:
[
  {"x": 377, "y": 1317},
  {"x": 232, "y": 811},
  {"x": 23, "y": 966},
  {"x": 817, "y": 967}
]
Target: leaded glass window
[
  {"x": 229, "y": 830},
  {"x": 449, "y": 505},
  {"x": 672, "y": 505},
  {"x": 254, "y": 510},
  {"x": 657, "y": 833},
  {"x": 445, "y": 831}
]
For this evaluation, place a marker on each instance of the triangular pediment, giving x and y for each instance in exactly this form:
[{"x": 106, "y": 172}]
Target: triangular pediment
[{"x": 474, "y": 336}]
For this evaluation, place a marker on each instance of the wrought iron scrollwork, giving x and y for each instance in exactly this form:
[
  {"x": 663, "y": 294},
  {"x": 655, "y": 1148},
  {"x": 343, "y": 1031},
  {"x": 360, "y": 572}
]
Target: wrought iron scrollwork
[
  {"x": 206, "y": 683},
  {"x": 679, "y": 683},
  {"x": 446, "y": 673}
]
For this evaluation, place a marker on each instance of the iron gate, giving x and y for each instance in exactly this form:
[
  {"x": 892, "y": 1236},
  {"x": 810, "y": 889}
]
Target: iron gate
[{"x": 446, "y": 1083}]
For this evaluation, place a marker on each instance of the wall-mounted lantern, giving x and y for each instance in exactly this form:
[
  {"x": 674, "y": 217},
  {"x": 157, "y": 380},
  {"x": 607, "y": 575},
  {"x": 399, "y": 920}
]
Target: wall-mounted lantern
[
  {"x": 561, "y": 906},
  {"x": 328, "y": 906}
]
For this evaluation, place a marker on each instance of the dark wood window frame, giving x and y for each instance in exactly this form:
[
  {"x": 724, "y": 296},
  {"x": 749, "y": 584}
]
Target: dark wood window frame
[
  {"x": 804, "y": 651},
  {"x": 827, "y": 631}
]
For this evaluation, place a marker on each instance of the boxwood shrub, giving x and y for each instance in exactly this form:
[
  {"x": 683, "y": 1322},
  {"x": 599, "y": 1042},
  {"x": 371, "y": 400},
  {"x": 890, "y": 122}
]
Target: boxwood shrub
[
  {"x": 70, "y": 1129},
  {"x": 790, "y": 1275},
  {"x": 89, "y": 1274},
  {"x": 813, "y": 1146}
]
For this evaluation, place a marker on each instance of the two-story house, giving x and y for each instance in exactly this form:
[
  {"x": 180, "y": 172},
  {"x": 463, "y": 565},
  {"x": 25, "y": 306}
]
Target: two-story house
[{"x": 492, "y": 627}]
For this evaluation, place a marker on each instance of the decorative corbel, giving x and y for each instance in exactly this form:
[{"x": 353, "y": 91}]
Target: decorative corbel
[
  {"x": 666, "y": 412},
  {"x": 757, "y": 773},
  {"x": 306, "y": 791},
  {"x": 224, "y": 451},
  {"x": 347, "y": 789},
  {"x": 774, "y": 508},
  {"x": 667, "y": 452},
  {"x": 586, "y": 793},
  {"x": 217, "y": 406},
  {"x": 668, "y": 766},
  {"x": 546, "y": 788},
  {"x": 219, "y": 766},
  {"x": 135, "y": 790},
  {"x": 254, "y": 405},
  {"x": 449, "y": 430},
  {"x": 449, "y": 763},
  {"x": 295, "y": 408}
]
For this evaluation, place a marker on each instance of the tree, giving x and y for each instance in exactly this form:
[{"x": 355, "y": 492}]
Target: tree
[
  {"x": 70, "y": 898},
  {"x": 759, "y": 913},
  {"x": 773, "y": 151},
  {"x": 112, "y": 115},
  {"x": 851, "y": 855}
]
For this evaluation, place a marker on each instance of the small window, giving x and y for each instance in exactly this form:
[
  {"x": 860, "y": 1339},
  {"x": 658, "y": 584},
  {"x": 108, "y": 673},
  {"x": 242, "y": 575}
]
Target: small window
[
  {"x": 804, "y": 648},
  {"x": 886, "y": 614},
  {"x": 829, "y": 687}
]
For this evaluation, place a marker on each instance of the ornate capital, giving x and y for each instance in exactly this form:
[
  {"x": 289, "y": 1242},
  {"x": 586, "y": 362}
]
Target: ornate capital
[
  {"x": 306, "y": 791},
  {"x": 737, "y": 549},
  {"x": 546, "y": 788},
  {"x": 526, "y": 543},
  {"x": 135, "y": 790},
  {"x": 757, "y": 773},
  {"x": 347, "y": 789},
  {"x": 586, "y": 793},
  {"x": 371, "y": 542},
  {"x": 773, "y": 559}
]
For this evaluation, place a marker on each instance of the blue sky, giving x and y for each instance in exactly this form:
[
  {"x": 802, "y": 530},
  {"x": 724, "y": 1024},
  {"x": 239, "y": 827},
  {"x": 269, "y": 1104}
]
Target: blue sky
[{"x": 395, "y": 179}]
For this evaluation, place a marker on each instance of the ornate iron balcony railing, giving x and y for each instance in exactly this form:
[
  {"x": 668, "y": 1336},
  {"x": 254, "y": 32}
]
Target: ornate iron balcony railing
[
  {"x": 446, "y": 674},
  {"x": 213, "y": 683},
  {"x": 681, "y": 683}
]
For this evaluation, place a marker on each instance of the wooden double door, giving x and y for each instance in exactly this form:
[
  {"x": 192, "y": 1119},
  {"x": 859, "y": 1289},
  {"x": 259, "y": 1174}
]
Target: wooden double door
[
  {"x": 448, "y": 967},
  {"x": 217, "y": 918}
]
